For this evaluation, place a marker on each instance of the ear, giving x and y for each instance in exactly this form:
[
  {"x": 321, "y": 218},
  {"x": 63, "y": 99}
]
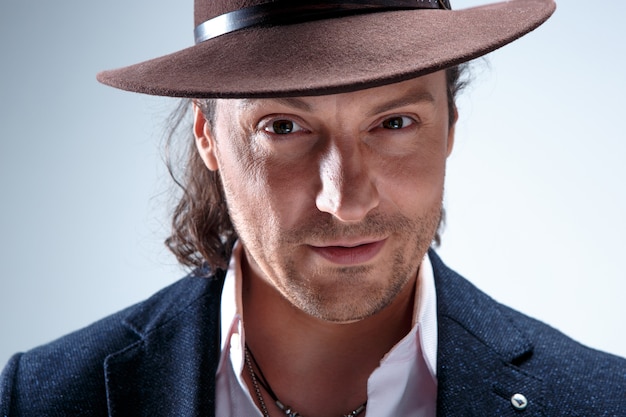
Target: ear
[
  {"x": 204, "y": 139},
  {"x": 451, "y": 131}
]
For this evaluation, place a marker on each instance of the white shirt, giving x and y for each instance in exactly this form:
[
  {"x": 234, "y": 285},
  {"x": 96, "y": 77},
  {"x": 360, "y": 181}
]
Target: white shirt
[{"x": 404, "y": 384}]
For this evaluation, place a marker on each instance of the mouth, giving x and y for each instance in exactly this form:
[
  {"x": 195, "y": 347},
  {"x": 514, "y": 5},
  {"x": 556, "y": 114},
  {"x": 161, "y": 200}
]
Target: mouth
[{"x": 350, "y": 254}]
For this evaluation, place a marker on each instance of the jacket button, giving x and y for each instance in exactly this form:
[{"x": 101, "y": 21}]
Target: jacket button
[{"x": 519, "y": 401}]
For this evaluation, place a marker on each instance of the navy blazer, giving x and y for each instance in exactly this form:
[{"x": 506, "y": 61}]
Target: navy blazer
[{"x": 159, "y": 357}]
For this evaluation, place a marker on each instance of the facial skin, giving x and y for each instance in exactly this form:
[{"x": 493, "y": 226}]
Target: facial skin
[{"x": 335, "y": 198}]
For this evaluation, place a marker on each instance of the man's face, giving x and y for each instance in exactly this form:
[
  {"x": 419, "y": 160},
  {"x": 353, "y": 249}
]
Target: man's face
[{"x": 335, "y": 198}]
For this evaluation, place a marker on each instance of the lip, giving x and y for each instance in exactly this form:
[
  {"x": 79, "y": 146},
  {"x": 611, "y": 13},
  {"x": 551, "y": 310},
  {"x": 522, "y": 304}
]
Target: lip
[{"x": 350, "y": 253}]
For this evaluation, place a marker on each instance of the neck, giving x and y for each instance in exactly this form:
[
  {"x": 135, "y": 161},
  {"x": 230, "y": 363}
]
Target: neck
[{"x": 319, "y": 367}]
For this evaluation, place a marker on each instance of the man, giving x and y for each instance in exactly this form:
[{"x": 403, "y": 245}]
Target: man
[{"x": 312, "y": 195}]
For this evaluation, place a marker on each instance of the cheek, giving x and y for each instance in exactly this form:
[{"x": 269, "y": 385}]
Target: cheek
[
  {"x": 414, "y": 183},
  {"x": 417, "y": 168},
  {"x": 263, "y": 191},
  {"x": 243, "y": 184},
  {"x": 290, "y": 189}
]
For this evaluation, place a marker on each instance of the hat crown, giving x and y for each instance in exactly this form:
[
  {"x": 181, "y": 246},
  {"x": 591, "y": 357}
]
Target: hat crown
[
  {"x": 208, "y": 9},
  {"x": 205, "y": 10}
]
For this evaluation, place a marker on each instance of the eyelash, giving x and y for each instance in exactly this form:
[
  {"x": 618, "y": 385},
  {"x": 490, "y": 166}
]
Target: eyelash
[
  {"x": 293, "y": 127},
  {"x": 273, "y": 124},
  {"x": 410, "y": 120}
]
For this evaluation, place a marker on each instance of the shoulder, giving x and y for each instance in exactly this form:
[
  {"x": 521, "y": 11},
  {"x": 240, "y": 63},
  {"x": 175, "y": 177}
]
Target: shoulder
[
  {"x": 68, "y": 374},
  {"x": 492, "y": 340},
  {"x": 575, "y": 377},
  {"x": 572, "y": 372},
  {"x": 69, "y": 368}
]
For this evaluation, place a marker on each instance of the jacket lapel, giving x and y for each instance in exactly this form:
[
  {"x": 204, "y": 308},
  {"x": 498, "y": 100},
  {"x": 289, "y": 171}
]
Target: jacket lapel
[
  {"x": 170, "y": 370},
  {"x": 481, "y": 353}
]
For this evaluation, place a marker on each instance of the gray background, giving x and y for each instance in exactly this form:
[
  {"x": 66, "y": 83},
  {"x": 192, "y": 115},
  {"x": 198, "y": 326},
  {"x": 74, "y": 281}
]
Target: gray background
[{"x": 535, "y": 189}]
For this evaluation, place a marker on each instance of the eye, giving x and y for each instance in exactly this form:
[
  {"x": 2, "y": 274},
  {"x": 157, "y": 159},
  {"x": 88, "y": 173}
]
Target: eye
[
  {"x": 397, "y": 122},
  {"x": 283, "y": 127}
]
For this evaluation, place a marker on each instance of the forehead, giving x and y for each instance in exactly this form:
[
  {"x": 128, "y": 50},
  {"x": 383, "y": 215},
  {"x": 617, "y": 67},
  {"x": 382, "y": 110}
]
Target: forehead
[{"x": 429, "y": 88}]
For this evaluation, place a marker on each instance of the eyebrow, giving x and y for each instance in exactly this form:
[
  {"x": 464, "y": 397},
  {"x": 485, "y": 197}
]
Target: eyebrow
[
  {"x": 411, "y": 97},
  {"x": 417, "y": 95},
  {"x": 294, "y": 102},
  {"x": 286, "y": 101}
]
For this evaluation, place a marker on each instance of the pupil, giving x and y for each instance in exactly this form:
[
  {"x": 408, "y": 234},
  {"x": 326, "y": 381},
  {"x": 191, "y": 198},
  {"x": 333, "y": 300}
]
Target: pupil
[
  {"x": 395, "y": 123},
  {"x": 283, "y": 126}
]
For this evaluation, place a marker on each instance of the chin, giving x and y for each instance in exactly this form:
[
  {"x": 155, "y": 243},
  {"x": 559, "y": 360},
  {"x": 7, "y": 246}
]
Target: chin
[{"x": 349, "y": 294}]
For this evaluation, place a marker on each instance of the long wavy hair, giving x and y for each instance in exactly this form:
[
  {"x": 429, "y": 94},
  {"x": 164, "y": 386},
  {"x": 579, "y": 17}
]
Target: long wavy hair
[{"x": 202, "y": 231}]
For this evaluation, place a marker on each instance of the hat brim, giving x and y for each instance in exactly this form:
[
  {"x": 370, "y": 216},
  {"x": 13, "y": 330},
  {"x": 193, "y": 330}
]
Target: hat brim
[{"x": 333, "y": 55}]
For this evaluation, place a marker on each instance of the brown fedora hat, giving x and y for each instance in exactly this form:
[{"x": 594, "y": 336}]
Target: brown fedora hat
[{"x": 256, "y": 48}]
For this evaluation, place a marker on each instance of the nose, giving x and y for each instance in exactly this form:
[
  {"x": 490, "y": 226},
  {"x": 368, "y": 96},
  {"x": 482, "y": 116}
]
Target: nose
[{"x": 348, "y": 190}]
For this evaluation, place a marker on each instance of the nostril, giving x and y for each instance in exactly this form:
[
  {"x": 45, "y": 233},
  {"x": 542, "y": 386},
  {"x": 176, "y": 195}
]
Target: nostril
[
  {"x": 347, "y": 199},
  {"x": 347, "y": 190}
]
